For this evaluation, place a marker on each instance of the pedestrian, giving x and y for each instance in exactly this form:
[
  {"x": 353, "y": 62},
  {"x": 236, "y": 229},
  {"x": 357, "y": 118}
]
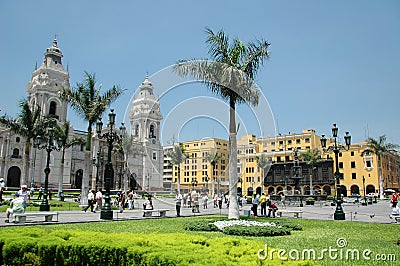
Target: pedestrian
[
  {"x": 283, "y": 198},
  {"x": 50, "y": 194},
  {"x": 263, "y": 203},
  {"x": 121, "y": 202},
  {"x": 205, "y": 201},
  {"x": 40, "y": 194},
  {"x": 2, "y": 188},
  {"x": 130, "y": 200},
  {"x": 148, "y": 204},
  {"x": 99, "y": 200},
  {"x": 91, "y": 201},
  {"x": 255, "y": 202},
  {"x": 25, "y": 194},
  {"x": 272, "y": 208},
  {"x": 178, "y": 203},
  {"x": 395, "y": 198},
  {"x": 16, "y": 206}
]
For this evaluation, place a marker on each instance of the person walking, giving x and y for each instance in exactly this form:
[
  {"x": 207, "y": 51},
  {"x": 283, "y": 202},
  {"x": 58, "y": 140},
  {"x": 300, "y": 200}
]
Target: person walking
[
  {"x": 91, "y": 201},
  {"x": 130, "y": 200},
  {"x": 16, "y": 206},
  {"x": 99, "y": 200},
  {"x": 178, "y": 203}
]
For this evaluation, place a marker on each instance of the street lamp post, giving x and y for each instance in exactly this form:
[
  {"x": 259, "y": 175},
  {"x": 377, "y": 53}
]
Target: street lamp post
[
  {"x": 98, "y": 161},
  {"x": 206, "y": 179},
  {"x": 364, "y": 197},
  {"x": 49, "y": 146},
  {"x": 339, "y": 213},
  {"x": 111, "y": 137}
]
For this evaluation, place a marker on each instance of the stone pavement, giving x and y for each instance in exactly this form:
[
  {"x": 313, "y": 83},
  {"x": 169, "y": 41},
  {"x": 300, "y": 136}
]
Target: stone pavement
[{"x": 377, "y": 213}]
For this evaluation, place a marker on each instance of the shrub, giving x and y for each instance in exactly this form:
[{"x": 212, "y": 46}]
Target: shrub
[
  {"x": 240, "y": 230},
  {"x": 201, "y": 225}
]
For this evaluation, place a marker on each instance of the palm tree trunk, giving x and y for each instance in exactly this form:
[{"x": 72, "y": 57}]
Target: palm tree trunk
[
  {"x": 233, "y": 179},
  {"x": 179, "y": 178},
  {"x": 27, "y": 162},
  {"x": 60, "y": 178}
]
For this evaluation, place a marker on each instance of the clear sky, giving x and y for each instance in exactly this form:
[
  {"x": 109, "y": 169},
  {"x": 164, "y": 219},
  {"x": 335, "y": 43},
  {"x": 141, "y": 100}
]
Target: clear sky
[{"x": 331, "y": 61}]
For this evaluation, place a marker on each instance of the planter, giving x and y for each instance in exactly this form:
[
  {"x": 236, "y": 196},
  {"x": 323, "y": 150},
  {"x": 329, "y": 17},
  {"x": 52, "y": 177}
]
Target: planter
[{"x": 310, "y": 202}]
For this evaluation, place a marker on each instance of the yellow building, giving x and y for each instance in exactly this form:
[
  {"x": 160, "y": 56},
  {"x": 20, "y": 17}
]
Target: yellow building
[{"x": 197, "y": 172}]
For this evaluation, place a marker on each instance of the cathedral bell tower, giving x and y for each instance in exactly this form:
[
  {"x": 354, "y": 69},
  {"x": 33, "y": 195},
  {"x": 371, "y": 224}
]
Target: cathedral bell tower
[
  {"x": 47, "y": 81},
  {"x": 145, "y": 117}
]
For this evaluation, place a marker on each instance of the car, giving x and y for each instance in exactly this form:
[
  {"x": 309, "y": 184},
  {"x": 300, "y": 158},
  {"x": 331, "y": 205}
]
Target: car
[
  {"x": 355, "y": 195},
  {"x": 371, "y": 195}
]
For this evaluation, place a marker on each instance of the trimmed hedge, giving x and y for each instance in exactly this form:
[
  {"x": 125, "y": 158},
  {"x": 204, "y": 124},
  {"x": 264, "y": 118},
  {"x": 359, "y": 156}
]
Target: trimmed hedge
[
  {"x": 240, "y": 230},
  {"x": 202, "y": 225},
  {"x": 74, "y": 247}
]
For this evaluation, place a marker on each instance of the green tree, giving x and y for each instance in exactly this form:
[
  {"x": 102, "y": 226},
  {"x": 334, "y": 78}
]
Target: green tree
[
  {"x": 379, "y": 147},
  {"x": 28, "y": 124},
  {"x": 90, "y": 104},
  {"x": 311, "y": 158},
  {"x": 62, "y": 133},
  {"x": 178, "y": 156},
  {"x": 214, "y": 158},
  {"x": 230, "y": 75}
]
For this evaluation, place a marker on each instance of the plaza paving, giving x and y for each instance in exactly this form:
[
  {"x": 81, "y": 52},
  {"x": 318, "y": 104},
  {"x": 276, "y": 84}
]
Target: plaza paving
[{"x": 376, "y": 213}]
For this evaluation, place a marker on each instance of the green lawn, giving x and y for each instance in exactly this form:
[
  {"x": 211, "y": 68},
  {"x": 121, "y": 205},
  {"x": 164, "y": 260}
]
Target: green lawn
[{"x": 369, "y": 239}]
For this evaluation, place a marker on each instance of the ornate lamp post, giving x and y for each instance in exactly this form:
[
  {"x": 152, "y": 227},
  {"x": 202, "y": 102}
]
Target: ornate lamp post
[
  {"x": 49, "y": 146},
  {"x": 98, "y": 162},
  {"x": 339, "y": 213},
  {"x": 111, "y": 137},
  {"x": 297, "y": 175}
]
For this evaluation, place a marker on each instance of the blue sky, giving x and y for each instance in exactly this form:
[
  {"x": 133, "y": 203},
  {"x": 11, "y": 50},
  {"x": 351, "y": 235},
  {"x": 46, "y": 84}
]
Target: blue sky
[{"x": 331, "y": 61}]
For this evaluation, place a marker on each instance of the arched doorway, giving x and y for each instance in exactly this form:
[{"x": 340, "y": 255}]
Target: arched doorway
[
  {"x": 250, "y": 191},
  {"x": 355, "y": 190},
  {"x": 271, "y": 191},
  {"x": 343, "y": 191},
  {"x": 258, "y": 190},
  {"x": 306, "y": 190},
  {"x": 317, "y": 190},
  {"x": 78, "y": 179},
  {"x": 14, "y": 177},
  {"x": 279, "y": 189},
  {"x": 327, "y": 190},
  {"x": 289, "y": 190},
  {"x": 370, "y": 189}
]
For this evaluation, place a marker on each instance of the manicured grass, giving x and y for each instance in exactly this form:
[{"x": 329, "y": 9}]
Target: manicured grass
[{"x": 316, "y": 235}]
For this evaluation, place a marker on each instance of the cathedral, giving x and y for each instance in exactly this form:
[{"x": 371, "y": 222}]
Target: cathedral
[{"x": 139, "y": 169}]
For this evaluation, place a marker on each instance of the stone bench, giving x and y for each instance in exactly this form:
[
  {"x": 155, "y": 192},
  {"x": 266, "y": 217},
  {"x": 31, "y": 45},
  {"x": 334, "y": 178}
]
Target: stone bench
[
  {"x": 296, "y": 214},
  {"x": 21, "y": 217},
  {"x": 160, "y": 213}
]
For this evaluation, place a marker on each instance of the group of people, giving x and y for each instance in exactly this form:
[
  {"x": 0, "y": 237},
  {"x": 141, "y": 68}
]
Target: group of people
[
  {"x": 19, "y": 202},
  {"x": 263, "y": 201}
]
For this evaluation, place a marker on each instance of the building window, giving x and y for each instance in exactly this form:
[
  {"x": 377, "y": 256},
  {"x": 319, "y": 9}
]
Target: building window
[
  {"x": 15, "y": 153},
  {"x": 154, "y": 156},
  {"x": 53, "y": 108},
  {"x": 352, "y": 153},
  {"x": 136, "y": 130},
  {"x": 353, "y": 175},
  {"x": 341, "y": 165},
  {"x": 151, "y": 132},
  {"x": 353, "y": 164},
  {"x": 17, "y": 139},
  {"x": 298, "y": 141}
]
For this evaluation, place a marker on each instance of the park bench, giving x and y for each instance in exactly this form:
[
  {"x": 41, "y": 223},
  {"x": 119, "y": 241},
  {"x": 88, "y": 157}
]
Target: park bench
[
  {"x": 395, "y": 217},
  {"x": 160, "y": 212},
  {"x": 296, "y": 214},
  {"x": 21, "y": 217}
]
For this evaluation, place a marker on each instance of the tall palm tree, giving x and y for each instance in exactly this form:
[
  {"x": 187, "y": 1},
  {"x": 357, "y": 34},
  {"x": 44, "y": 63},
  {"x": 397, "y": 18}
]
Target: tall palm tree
[
  {"x": 62, "y": 133},
  {"x": 28, "y": 124},
  {"x": 213, "y": 158},
  {"x": 178, "y": 156},
  {"x": 262, "y": 163},
  {"x": 311, "y": 158},
  {"x": 90, "y": 104},
  {"x": 380, "y": 147},
  {"x": 231, "y": 77}
]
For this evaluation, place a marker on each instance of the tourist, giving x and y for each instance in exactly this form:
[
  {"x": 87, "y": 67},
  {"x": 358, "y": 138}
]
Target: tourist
[
  {"x": 148, "y": 204},
  {"x": 91, "y": 201},
  {"x": 272, "y": 208},
  {"x": 25, "y": 194},
  {"x": 121, "y": 201},
  {"x": 2, "y": 188},
  {"x": 283, "y": 198},
  {"x": 130, "y": 200},
  {"x": 99, "y": 200},
  {"x": 40, "y": 194},
  {"x": 205, "y": 201},
  {"x": 16, "y": 206},
  {"x": 178, "y": 203},
  {"x": 255, "y": 202},
  {"x": 263, "y": 203}
]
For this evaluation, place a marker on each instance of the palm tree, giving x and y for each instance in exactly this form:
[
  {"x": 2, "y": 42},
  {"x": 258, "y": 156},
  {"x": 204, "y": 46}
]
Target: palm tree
[
  {"x": 213, "y": 158},
  {"x": 311, "y": 158},
  {"x": 231, "y": 77},
  {"x": 178, "y": 156},
  {"x": 379, "y": 147},
  {"x": 29, "y": 124},
  {"x": 262, "y": 163},
  {"x": 87, "y": 102},
  {"x": 62, "y": 134}
]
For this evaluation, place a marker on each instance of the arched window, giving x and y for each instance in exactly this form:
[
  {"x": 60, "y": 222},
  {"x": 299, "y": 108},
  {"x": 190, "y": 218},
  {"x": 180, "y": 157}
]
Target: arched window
[
  {"x": 15, "y": 153},
  {"x": 151, "y": 133},
  {"x": 53, "y": 109},
  {"x": 137, "y": 130}
]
